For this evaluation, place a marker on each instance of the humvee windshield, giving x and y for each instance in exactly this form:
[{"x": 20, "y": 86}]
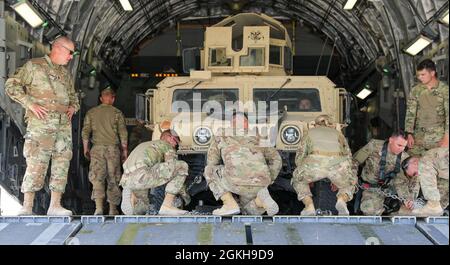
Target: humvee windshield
[
  {"x": 301, "y": 100},
  {"x": 183, "y": 99}
]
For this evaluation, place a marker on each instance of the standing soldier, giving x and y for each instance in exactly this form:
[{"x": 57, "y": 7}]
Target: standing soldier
[
  {"x": 107, "y": 125},
  {"x": 382, "y": 164},
  {"x": 324, "y": 153},
  {"x": 44, "y": 87},
  {"x": 426, "y": 121},
  {"x": 150, "y": 165},
  {"x": 432, "y": 171},
  {"x": 247, "y": 170}
]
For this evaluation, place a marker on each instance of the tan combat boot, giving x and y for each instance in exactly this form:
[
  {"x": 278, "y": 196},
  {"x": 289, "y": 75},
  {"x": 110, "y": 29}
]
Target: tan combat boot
[
  {"x": 98, "y": 206},
  {"x": 126, "y": 206},
  {"x": 113, "y": 209},
  {"x": 55, "y": 205},
  {"x": 229, "y": 207},
  {"x": 309, "y": 209},
  {"x": 432, "y": 208},
  {"x": 341, "y": 204},
  {"x": 167, "y": 207},
  {"x": 28, "y": 201},
  {"x": 264, "y": 200},
  {"x": 252, "y": 209}
]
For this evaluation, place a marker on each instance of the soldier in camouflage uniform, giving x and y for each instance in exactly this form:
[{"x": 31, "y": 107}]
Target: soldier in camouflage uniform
[
  {"x": 324, "y": 153},
  {"x": 382, "y": 164},
  {"x": 44, "y": 87},
  {"x": 247, "y": 170},
  {"x": 152, "y": 164},
  {"x": 432, "y": 171},
  {"x": 426, "y": 120},
  {"x": 107, "y": 125}
]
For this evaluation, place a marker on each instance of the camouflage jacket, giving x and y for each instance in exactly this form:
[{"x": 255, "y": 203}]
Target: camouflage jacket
[
  {"x": 149, "y": 154},
  {"x": 42, "y": 82},
  {"x": 306, "y": 149},
  {"x": 370, "y": 154},
  {"x": 107, "y": 125},
  {"x": 434, "y": 163},
  {"x": 427, "y": 109},
  {"x": 223, "y": 149}
]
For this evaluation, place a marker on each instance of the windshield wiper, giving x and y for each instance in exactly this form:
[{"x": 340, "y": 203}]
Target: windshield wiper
[{"x": 278, "y": 90}]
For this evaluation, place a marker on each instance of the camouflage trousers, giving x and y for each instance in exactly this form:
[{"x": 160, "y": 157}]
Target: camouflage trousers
[
  {"x": 141, "y": 202},
  {"x": 139, "y": 181},
  {"x": 45, "y": 140},
  {"x": 372, "y": 203},
  {"x": 435, "y": 189},
  {"x": 342, "y": 175},
  {"x": 105, "y": 165},
  {"x": 426, "y": 139},
  {"x": 219, "y": 185}
]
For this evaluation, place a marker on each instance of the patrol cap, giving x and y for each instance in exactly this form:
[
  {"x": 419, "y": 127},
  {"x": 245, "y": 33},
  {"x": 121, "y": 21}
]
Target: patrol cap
[
  {"x": 172, "y": 133},
  {"x": 108, "y": 90},
  {"x": 323, "y": 119},
  {"x": 405, "y": 164}
]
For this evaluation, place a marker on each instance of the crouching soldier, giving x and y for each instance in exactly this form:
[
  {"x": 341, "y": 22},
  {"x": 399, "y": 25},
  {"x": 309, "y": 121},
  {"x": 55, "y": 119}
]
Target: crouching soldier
[
  {"x": 324, "y": 153},
  {"x": 382, "y": 175},
  {"x": 152, "y": 164},
  {"x": 432, "y": 171},
  {"x": 236, "y": 163}
]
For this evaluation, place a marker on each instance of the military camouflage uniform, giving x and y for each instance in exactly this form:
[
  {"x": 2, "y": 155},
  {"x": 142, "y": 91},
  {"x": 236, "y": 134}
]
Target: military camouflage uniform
[
  {"x": 323, "y": 153},
  {"x": 107, "y": 125},
  {"x": 49, "y": 85},
  {"x": 230, "y": 169},
  {"x": 405, "y": 187},
  {"x": 149, "y": 165},
  {"x": 427, "y": 116},
  {"x": 433, "y": 175}
]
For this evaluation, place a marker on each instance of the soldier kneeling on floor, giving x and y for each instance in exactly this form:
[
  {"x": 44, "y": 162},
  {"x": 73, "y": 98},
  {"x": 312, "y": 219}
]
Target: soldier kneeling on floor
[
  {"x": 150, "y": 165},
  {"x": 237, "y": 164},
  {"x": 324, "y": 153},
  {"x": 432, "y": 171}
]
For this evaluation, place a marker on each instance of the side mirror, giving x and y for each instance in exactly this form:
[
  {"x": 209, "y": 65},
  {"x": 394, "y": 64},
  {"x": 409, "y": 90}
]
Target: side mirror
[
  {"x": 143, "y": 106},
  {"x": 348, "y": 104},
  {"x": 140, "y": 107},
  {"x": 191, "y": 59}
]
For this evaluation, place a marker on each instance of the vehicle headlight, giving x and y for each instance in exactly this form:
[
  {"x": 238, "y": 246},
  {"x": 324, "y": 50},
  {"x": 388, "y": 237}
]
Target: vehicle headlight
[
  {"x": 290, "y": 135},
  {"x": 202, "y": 135}
]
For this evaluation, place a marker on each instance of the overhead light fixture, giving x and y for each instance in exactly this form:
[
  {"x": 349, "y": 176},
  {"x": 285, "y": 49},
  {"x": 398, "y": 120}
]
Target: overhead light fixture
[
  {"x": 126, "y": 5},
  {"x": 350, "y": 4},
  {"x": 425, "y": 38},
  {"x": 444, "y": 18},
  {"x": 364, "y": 93},
  {"x": 26, "y": 10},
  {"x": 417, "y": 45}
]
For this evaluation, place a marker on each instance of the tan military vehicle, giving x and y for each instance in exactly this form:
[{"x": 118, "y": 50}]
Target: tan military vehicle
[{"x": 246, "y": 58}]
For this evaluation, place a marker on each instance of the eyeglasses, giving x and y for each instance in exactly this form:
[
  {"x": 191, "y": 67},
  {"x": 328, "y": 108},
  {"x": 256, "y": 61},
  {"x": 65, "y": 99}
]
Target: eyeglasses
[{"x": 72, "y": 52}]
